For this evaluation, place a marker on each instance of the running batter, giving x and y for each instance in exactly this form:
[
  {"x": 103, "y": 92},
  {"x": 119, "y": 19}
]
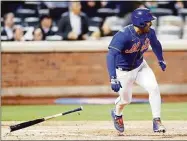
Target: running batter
[{"x": 126, "y": 65}]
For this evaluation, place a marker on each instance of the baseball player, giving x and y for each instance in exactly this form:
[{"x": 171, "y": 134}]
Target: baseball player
[{"x": 126, "y": 65}]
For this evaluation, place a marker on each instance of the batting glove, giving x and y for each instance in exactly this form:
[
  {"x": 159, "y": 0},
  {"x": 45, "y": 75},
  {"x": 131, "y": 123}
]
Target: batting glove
[
  {"x": 115, "y": 84},
  {"x": 162, "y": 65}
]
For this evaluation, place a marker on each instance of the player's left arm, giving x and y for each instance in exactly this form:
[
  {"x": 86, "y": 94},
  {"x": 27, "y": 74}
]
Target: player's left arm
[{"x": 157, "y": 49}]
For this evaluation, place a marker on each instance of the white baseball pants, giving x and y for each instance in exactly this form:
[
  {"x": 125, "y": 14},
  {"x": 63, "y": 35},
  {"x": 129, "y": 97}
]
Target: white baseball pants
[{"x": 143, "y": 76}]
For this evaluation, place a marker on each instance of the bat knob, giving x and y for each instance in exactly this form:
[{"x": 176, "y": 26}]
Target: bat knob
[{"x": 11, "y": 128}]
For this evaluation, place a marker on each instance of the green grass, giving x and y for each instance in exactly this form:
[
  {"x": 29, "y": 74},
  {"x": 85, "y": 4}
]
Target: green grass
[{"x": 170, "y": 111}]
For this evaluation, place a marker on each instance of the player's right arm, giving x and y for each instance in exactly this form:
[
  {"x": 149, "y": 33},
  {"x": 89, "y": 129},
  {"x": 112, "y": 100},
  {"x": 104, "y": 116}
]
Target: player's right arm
[{"x": 115, "y": 48}]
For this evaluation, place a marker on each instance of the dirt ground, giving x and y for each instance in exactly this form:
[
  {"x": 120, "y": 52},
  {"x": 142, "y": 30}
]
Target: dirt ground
[{"x": 94, "y": 130}]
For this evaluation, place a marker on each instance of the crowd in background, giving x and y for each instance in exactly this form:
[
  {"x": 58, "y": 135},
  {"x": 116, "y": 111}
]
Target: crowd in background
[{"x": 84, "y": 20}]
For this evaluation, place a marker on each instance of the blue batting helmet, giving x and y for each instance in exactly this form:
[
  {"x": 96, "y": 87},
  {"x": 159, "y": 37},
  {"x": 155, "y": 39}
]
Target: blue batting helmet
[{"x": 140, "y": 16}]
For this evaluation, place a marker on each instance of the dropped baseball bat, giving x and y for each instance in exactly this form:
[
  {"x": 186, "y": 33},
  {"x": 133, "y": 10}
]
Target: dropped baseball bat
[{"x": 36, "y": 121}]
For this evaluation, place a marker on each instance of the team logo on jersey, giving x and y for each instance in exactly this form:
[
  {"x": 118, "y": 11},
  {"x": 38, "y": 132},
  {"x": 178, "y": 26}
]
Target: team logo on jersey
[
  {"x": 135, "y": 46},
  {"x": 146, "y": 44}
]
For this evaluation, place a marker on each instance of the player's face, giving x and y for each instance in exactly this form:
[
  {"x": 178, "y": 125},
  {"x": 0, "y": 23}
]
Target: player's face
[{"x": 147, "y": 28}]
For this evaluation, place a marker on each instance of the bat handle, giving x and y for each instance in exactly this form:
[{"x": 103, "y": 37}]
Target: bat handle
[
  {"x": 75, "y": 110},
  {"x": 50, "y": 117}
]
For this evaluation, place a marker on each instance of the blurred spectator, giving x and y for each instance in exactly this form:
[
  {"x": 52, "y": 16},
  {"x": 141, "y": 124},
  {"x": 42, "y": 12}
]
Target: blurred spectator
[
  {"x": 73, "y": 24},
  {"x": 122, "y": 19},
  {"x": 37, "y": 35},
  {"x": 173, "y": 5},
  {"x": 18, "y": 34},
  {"x": 56, "y": 8},
  {"x": 90, "y": 7},
  {"x": 152, "y": 5},
  {"x": 180, "y": 4},
  {"x": 45, "y": 26},
  {"x": 8, "y": 26},
  {"x": 168, "y": 5}
]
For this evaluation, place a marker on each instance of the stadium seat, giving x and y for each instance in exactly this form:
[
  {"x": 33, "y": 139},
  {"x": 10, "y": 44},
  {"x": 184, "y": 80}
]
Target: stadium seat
[
  {"x": 2, "y": 29},
  {"x": 24, "y": 13},
  {"x": 169, "y": 30},
  {"x": 33, "y": 2},
  {"x": 154, "y": 24},
  {"x": 185, "y": 29},
  {"x": 167, "y": 37},
  {"x": 17, "y": 21},
  {"x": 157, "y": 12},
  {"x": 185, "y": 20},
  {"x": 54, "y": 29},
  {"x": 43, "y": 12},
  {"x": 182, "y": 12},
  {"x": 32, "y": 5},
  {"x": 4, "y": 38},
  {"x": 107, "y": 12},
  {"x": 31, "y": 21},
  {"x": 95, "y": 21},
  {"x": 94, "y": 24},
  {"x": 54, "y": 38},
  {"x": 170, "y": 20},
  {"x": 116, "y": 28},
  {"x": 93, "y": 28},
  {"x": 161, "y": 12},
  {"x": 184, "y": 36}
]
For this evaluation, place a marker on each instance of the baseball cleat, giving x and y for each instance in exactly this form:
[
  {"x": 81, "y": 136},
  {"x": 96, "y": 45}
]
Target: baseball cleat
[
  {"x": 157, "y": 126},
  {"x": 118, "y": 122}
]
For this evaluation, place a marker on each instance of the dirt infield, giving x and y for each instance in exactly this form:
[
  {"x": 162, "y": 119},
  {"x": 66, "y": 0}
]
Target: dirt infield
[{"x": 95, "y": 130}]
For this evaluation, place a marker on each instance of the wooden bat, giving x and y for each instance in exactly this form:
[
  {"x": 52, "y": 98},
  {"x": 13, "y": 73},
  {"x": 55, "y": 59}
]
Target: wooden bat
[{"x": 36, "y": 121}]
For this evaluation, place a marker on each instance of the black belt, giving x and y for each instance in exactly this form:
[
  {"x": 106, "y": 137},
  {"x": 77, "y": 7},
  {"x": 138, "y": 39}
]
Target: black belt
[{"x": 124, "y": 69}]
